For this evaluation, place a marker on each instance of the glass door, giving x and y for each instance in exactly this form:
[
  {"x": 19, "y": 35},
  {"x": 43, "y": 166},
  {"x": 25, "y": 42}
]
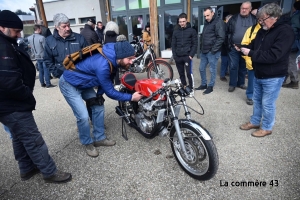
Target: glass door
[
  {"x": 170, "y": 21},
  {"x": 121, "y": 20}
]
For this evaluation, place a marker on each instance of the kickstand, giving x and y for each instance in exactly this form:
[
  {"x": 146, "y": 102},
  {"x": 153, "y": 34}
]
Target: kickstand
[{"x": 124, "y": 133}]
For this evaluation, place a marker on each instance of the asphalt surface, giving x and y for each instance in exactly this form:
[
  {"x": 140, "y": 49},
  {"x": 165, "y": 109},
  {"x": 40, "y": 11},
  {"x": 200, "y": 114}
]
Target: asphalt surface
[{"x": 133, "y": 170}]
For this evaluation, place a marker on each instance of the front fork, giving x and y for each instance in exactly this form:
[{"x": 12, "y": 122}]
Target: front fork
[{"x": 177, "y": 127}]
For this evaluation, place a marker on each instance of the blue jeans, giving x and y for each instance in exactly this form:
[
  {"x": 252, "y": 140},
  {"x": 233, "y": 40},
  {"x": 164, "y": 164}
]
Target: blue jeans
[
  {"x": 29, "y": 146},
  {"x": 249, "y": 90},
  {"x": 44, "y": 74},
  {"x": 7, "y": 131},
  {"x": 74, "y": 98},
  {"x": 266, "y": 92},
  {"x": 212, "y": 60},
  {"x": 297, "y": 44},
  {"x": 237, "y": 68},
  {"x": 224, "y": 65}
]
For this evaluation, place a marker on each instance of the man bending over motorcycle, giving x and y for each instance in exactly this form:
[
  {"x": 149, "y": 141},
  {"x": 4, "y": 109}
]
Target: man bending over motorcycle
[{"x": 79, "y": 84}]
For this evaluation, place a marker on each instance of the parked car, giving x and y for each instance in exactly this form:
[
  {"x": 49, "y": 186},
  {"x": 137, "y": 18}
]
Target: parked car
[{"x": 23, "y": 42}]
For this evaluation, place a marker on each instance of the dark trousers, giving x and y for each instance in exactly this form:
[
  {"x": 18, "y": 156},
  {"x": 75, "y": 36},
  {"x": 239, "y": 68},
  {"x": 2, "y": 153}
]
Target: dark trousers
[
  {"x": 29, "y": 146},
  {"x": 185, "y": 64}
]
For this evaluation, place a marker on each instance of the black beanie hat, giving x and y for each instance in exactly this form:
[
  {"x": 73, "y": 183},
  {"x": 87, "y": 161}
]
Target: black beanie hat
[
  {"x": 123, "y": 48},
  {"x": 9, "y": 19}
]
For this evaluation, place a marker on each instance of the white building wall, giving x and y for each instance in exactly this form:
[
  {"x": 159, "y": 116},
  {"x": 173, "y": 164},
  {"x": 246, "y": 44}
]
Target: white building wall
[{"x": 73, "y": 9}]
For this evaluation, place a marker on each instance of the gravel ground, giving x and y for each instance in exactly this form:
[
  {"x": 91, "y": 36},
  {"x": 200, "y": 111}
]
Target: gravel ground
[{"x": 133, "y": 170}]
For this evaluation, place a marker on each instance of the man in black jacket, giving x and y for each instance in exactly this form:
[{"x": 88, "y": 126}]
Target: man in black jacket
[
  {"x": 17, "y": 78},
  {"x": 99, "y": 30},
  {"x": 89, "y": 32},
  {"x": 269, "y": 52},
  {"x": 236, "y": 28},
  {"x": 184, "y": 46},
  {"x": 212, "y": 38}
]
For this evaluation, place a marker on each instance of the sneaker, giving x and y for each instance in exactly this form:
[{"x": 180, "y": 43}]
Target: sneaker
[
  {"x": 30, "y": 174},
  {"x": 231, "y": 89},
  {"x": 201, "y": 87},
  {"x": 43, "y": 85},
  {"x": 59, "y": 177},
  {"x": 105, "y": 142},
  {"x": 91, "y": 150},
  {"x": 208, "y": 90},
  {"x": 50, "y": 86},
  {"x": 244, "y": 87},
  {"x": 223, "y": 79},
  {"x": 292, "y": 85},
  {"x": 249, "y": 102},
  {"x": 192, "y": 94}
]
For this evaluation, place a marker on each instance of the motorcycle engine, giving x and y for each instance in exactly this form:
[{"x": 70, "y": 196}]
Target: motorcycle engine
[{"x": 146, "y": 116}]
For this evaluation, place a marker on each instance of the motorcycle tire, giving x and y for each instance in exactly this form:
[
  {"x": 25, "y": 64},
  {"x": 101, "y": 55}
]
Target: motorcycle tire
[
  {"x": 202, "y": 153},
  {"x": 165, "y": 70}
]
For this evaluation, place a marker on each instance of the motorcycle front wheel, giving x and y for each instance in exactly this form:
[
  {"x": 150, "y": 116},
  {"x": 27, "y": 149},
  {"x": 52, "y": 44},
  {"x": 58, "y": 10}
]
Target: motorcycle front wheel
[
  {"x": 164, "y": 70},
  {"x": 202, "y": 160}
]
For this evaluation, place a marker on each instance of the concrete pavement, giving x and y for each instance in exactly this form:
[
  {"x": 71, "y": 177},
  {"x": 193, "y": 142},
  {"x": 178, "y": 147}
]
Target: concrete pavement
[{"x": 133, "y": 170}]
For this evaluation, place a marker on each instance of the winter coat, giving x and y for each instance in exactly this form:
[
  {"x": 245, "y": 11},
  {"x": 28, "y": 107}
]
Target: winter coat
[
  {"x": 37, "y": 43},
  {"x": 45, "y": 31},
  {"x": 230, "y": 29},
  {"x": 110, "y": 37},
  {"x": 57, "y": 48},
  {"x": 90, "y": 34},
  {"x": 100, "y": 34},
  {"x": 213, "y": 35},
  {"x": 17, "y": 78},
  {"x": 270, "y": 50},
  {"x": 295, "y": 23},
  {"x": 95, "y": 71},
  {"x": 247, "y": 40},
  {"x": 184, "y": 42},
  {"x": 146, "y": 38}
]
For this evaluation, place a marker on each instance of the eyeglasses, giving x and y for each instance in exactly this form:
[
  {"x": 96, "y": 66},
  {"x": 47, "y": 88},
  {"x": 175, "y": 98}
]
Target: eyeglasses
[{"x": 263, "y": 20}]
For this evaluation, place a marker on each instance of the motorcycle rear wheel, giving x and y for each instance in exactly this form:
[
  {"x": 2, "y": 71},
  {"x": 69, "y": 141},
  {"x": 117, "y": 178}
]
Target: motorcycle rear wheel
[
  {"x": 202, "y": 162},
  {"x": 164, "y": 70}
]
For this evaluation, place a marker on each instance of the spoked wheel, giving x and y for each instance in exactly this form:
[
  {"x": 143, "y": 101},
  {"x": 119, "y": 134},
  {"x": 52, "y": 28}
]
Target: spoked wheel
[
  {"x": 201, "y": 161},
  {"x": 164, "y": 70}
]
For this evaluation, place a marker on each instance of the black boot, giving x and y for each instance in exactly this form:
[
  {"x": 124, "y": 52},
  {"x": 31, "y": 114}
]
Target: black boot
[{"x": 292, "y": 84}]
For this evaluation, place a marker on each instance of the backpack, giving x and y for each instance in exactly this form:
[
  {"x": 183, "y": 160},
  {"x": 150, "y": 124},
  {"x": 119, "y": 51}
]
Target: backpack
[{"x": 71, "y": 60}]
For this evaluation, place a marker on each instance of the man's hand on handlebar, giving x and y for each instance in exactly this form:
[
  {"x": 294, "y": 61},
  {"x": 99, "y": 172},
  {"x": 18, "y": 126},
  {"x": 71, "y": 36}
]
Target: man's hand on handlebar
[{"x": 136, "y": 96}]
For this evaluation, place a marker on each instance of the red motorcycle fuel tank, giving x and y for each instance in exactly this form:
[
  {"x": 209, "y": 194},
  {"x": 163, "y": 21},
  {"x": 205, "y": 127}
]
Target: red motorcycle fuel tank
[{"x": 147, "y": 86}]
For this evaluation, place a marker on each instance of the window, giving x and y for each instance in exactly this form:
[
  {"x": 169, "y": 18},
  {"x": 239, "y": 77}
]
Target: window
[
  {"x": 51, "y": 23},
  {"x": 85, "y": 19},
  {"x": 137, "y": 4},
  {"x": 117, "y": 5},
  {"x": 172, "y": 1}
]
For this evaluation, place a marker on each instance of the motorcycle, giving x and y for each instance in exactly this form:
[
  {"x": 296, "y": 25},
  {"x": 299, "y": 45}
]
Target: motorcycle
[
  {"x": 23, "y": 43},
  {"x": 137, "y": 44},
  {"x": 146, "y": 61},
  {"x": 157, "y": 114}
]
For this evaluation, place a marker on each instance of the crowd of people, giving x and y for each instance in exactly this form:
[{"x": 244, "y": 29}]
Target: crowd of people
[{"x": 256, "y": 43}]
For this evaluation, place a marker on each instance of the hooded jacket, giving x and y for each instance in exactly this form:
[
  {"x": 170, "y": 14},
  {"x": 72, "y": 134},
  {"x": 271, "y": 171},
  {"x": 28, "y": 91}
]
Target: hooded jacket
[
  {"x": 213, "y": 35},
  {"x": 270, "y": 50},
  {"x": 17, "y": 78},
  {"x": 248, "y": 37},
  {"x": 184, "y": 41},
  {"x": 95, "y": 71},
  {"x": 57, "y": 48}
]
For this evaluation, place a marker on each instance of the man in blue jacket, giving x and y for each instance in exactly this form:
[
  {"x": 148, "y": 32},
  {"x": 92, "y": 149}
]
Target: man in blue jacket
[
  {"x": 62, "y": 43},
  {"x": 79, "y": 84}
]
